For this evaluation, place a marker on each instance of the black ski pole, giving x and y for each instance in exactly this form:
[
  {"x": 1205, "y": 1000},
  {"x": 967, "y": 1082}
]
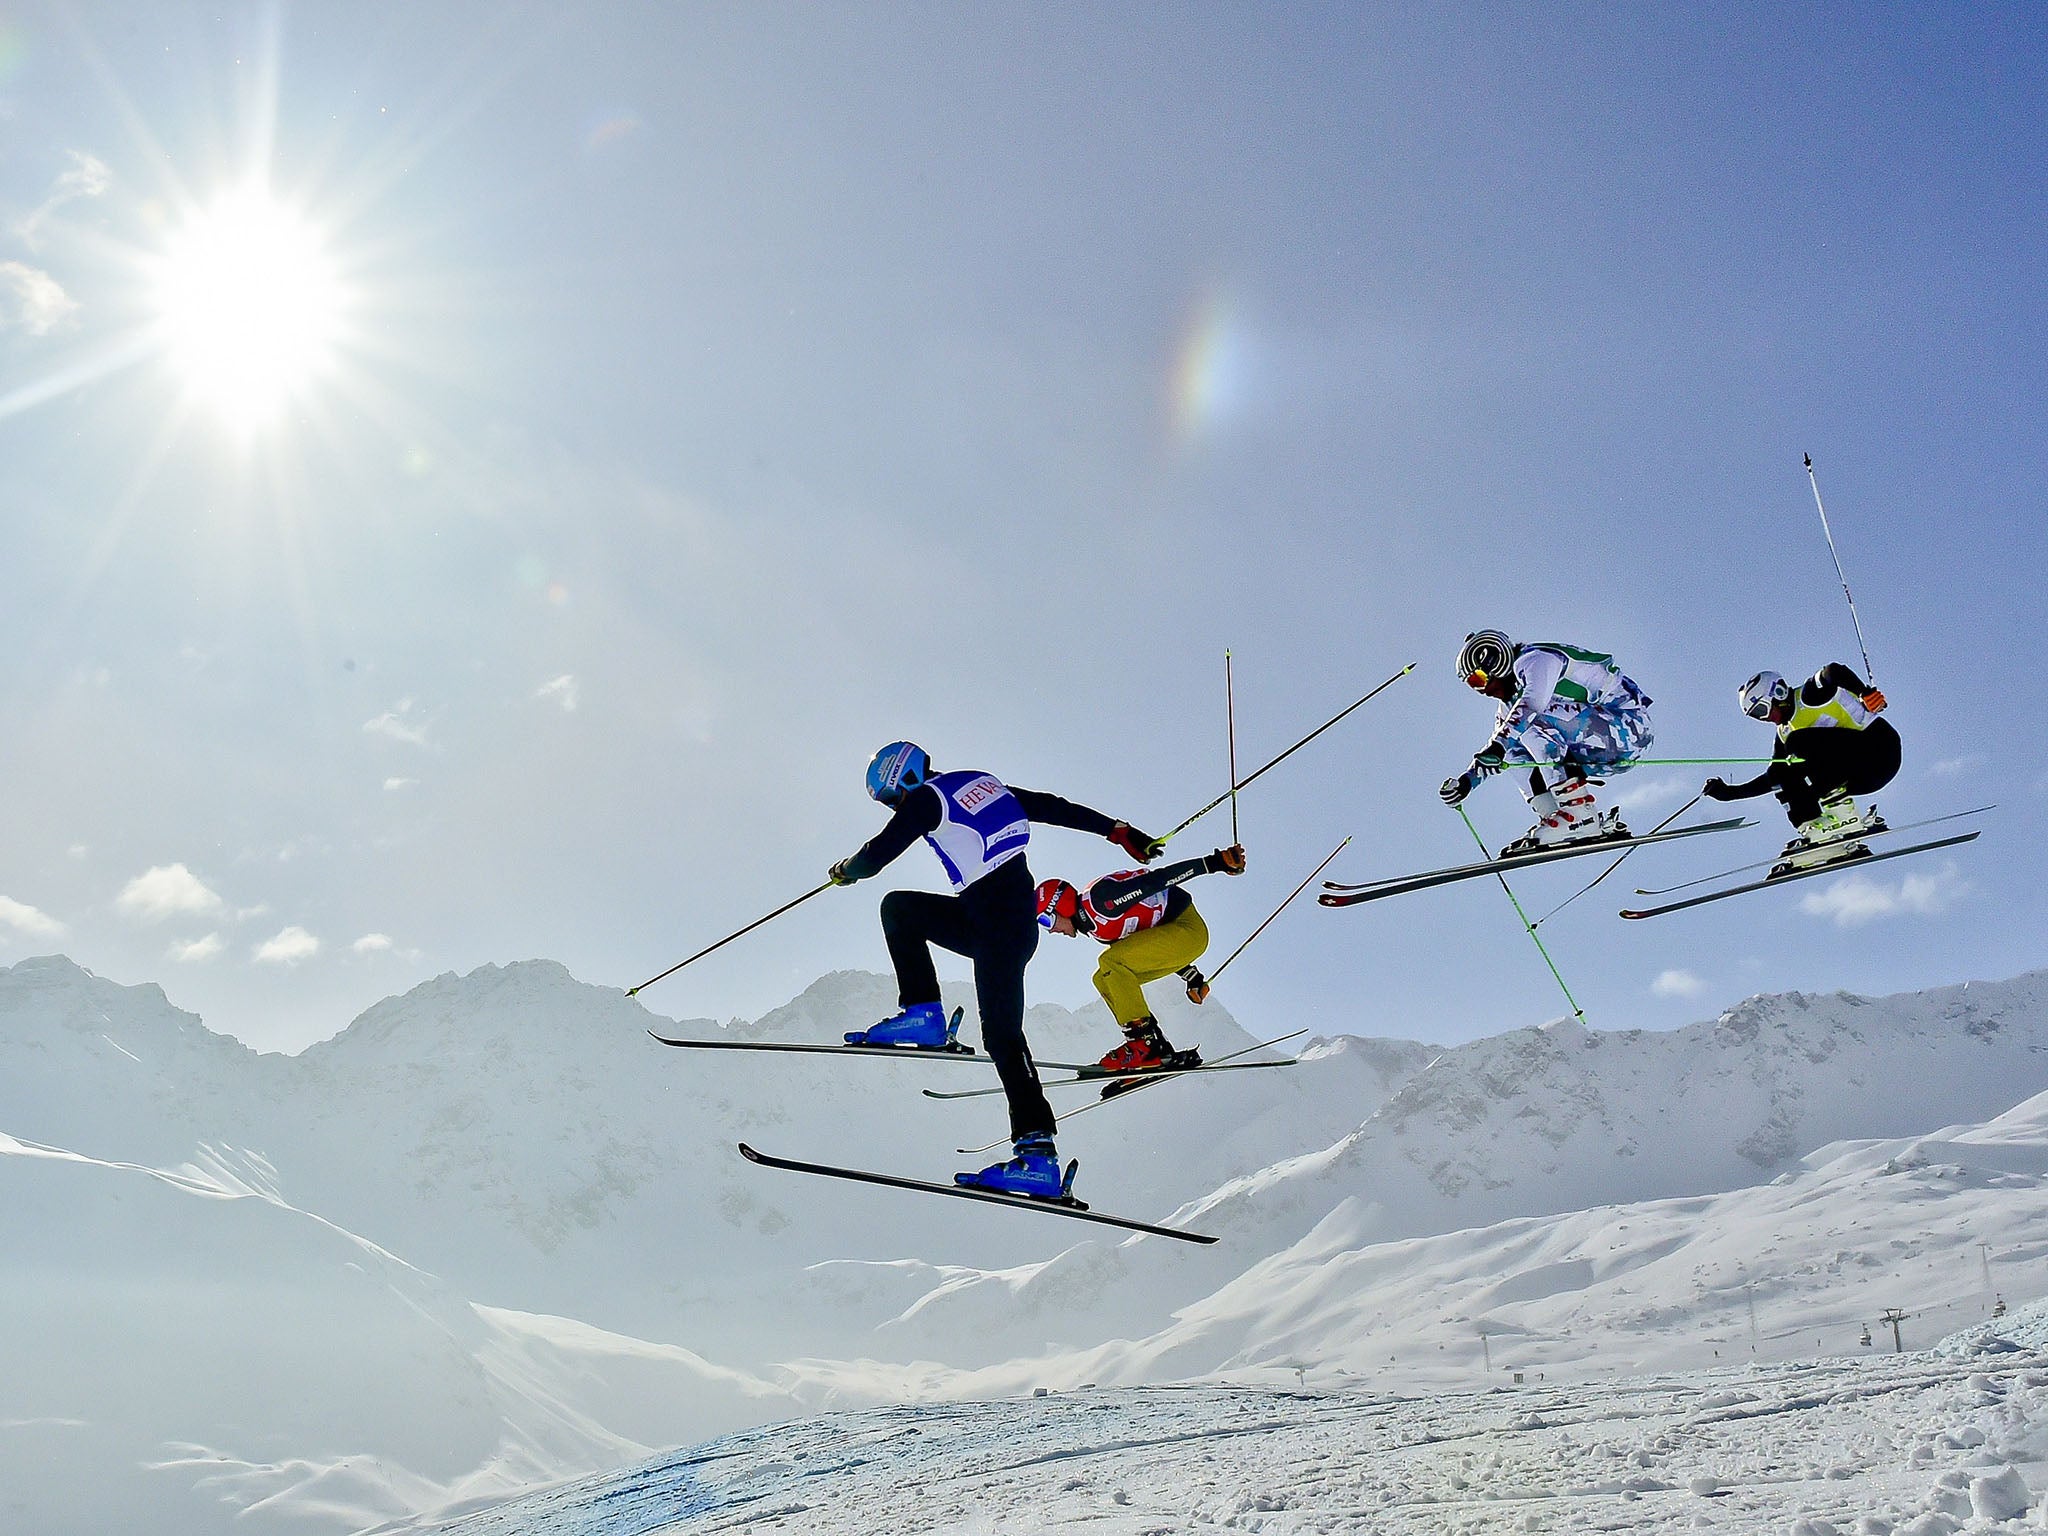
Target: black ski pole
[
  {"x": 757, "y": 922},
  {"x": 1278, "y": 910},
  {"x": 1610, "y": 869},
  {"x": 1311, "y": 736}
]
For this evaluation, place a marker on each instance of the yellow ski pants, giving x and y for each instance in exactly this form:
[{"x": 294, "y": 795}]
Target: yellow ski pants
[{"x": 1144, "y": 956}]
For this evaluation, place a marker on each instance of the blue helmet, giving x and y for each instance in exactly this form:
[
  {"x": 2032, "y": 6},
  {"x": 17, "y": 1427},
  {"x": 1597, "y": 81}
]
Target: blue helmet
[{"x": 897, "y": 769}]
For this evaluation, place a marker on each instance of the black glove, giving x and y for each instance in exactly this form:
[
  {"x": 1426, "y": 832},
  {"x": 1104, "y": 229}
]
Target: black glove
[
  {"x": 1716, "y": 788},
  {"x": 1454, "y": 791},
  {"x": 1491, "y": 757},
  {"x": 1140, "y": 847},
  {"x": 1198, "y": 988},
  {"x": 837, "y": 873},
  {"x": 1225, "y": 861}
]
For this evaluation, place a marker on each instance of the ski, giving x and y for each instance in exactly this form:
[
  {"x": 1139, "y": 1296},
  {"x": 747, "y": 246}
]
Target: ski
[
  {"x": 954, "y": 1051},
  {"x": 1115, "y": 1080},
  {"x": 1743, "y": 869},
  {"x": 1837, "y": 867},
  {"x": 1065, "y": 1206},
  {"x": 1336, "y": 895},
  {"x": 1121, "y": 1086}
]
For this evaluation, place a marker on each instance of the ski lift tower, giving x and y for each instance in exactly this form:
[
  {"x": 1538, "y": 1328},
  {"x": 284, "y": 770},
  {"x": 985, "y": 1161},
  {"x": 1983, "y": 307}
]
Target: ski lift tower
[{"x": 1895, "y": 1317}]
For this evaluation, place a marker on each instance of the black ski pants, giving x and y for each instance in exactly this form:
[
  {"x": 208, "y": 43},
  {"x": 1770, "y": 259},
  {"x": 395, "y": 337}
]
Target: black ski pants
[
  {"x": 994, "y": 923},
  {"x": 1834, "y": 761}
]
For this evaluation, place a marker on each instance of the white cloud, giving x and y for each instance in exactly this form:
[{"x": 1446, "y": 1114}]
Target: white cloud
[
  {"x": 401, "y": 722},
  {"x": 1952, "y": 767},
  {"x": 1634, "y": 794},
  {"x": 32, "y": 300},
  {"x": 25, "y": 919},
  {"x": 197, "y": 949},
  {"x": 395, "y": 784},
  {"x": 1860, "y": 899},
  {"x": 1676, "y": 984},
  {"x": 288, "y": 947},
  {"x": 371, "y": 943},
  {"x": 562, "y": 690},
  {"x": 166, "y": 891},
  {"x": 86, "y": 176}
]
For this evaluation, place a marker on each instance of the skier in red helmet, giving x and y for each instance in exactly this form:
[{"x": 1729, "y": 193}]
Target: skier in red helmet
[{"x": 1149, "y": 928}]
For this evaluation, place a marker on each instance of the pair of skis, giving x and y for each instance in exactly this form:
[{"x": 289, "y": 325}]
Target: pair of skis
[
  {"x": 1337, "y": 894},
  {"x": 1851, "y": 860}
]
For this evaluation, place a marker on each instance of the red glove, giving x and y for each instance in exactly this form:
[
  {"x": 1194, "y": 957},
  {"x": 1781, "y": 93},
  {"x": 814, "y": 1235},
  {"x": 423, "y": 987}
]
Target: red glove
[
  {"x": 1874, "y": 701},
  {"x": 1140, "y": 847}
]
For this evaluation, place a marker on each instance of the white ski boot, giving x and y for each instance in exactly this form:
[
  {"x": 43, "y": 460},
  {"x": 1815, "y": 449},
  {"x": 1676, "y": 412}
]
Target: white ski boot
[
  {"x": 1566, "y": 814},
  {"x": 1832, "y": 837}
]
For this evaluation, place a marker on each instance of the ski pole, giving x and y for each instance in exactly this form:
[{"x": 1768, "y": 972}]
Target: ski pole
[
  {"x": 1527, "y": 926},
  {"x": 1869, "y": 674},
  {"x": 1230, "y": 723},
  {"x": 757, "y": 922},
  {"x": 1311, "y": 736},
  {"x": 1278, "y": 910},
  {"x": 1610, "y": 869}
]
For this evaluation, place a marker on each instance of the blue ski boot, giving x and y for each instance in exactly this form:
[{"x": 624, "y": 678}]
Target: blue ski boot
[
  {"x": 923, "y": 1025},
  {"x": 1033, "y": 1169}
]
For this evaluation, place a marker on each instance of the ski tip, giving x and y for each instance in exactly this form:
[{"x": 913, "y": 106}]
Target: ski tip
[{"x": 749, "y": 1153}]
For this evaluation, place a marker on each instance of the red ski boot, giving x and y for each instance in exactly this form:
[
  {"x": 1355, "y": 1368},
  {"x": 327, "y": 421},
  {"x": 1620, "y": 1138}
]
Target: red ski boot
[{"x": 1144, "y": 1049}]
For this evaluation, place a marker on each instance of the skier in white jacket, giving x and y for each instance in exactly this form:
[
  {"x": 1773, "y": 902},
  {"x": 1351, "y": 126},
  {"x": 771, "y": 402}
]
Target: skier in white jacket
[{"x": 1569, "y": 714}]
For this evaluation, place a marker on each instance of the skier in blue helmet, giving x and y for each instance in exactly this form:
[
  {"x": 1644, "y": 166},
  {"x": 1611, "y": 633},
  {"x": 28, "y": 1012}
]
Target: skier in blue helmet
[{"x": 978, "y": 826}]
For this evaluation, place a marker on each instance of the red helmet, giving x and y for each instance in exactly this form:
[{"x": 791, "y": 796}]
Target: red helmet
[{"x": 1056, "y": 898}]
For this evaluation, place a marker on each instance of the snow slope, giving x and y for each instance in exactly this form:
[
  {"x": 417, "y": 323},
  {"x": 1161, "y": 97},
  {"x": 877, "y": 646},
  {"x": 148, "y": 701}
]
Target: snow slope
[
  {"x": 496, "y": 1197},
  {"x": 182, "y": 1346},
  {"x": 1896, "y": 1445}
]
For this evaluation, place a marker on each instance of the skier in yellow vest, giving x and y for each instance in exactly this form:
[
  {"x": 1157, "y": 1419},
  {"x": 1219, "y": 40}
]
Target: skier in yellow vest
[
  {"x": 1149, "y": 928},
  {"x": 1831, "y": 747}
]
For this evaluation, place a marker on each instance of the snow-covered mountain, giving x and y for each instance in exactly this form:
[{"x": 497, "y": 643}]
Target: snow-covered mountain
[{"x": 498, "y": 1194}]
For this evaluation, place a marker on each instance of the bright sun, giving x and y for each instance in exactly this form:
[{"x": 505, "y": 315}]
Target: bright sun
[{"x": 249, "y": 306}]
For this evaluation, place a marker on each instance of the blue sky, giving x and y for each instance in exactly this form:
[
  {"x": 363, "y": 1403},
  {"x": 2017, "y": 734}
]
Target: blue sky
[{"x": 719, "y": 392}]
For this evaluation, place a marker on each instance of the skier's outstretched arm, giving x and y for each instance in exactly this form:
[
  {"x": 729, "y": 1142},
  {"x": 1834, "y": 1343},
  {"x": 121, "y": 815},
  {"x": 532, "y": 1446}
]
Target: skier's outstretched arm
[
  {"x": 1718, "y": 788},
  {"x": 1052, "y": 811},
  {"x": 918, "y": 814},
  {"x": 1111, "y": 895}
]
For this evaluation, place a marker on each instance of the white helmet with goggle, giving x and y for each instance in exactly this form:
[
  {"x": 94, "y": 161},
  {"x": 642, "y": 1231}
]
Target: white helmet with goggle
[{"x": 1764, "y": 694}]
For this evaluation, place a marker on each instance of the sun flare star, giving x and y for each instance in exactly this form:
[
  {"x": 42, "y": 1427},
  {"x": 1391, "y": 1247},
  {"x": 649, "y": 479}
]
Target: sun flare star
[{"x": 249, "y": 306}]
